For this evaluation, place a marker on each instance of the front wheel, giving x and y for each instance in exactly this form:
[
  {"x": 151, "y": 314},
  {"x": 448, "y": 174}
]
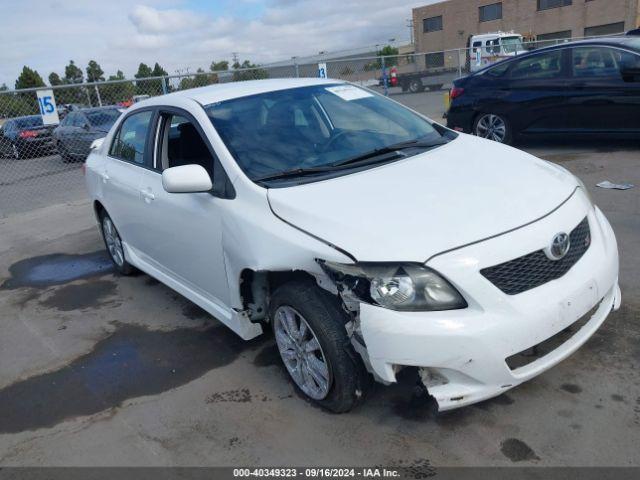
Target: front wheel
[
  {"x": 493, "y": 127},
  {"x": 309, "y": 328}
]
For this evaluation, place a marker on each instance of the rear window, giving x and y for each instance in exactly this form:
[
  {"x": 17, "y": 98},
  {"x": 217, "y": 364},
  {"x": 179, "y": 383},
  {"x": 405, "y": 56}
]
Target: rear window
[
  {"x": 103, "y": 117},
  {"x": 28, "y": 122}
]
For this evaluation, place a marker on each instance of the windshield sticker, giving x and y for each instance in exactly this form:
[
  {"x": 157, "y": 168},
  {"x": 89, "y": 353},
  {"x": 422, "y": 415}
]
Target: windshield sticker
[{"x": 349, "y": 92}]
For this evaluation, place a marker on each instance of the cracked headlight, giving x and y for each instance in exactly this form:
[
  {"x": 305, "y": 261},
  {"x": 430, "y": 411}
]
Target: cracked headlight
[{"x": 397, "y": 286}]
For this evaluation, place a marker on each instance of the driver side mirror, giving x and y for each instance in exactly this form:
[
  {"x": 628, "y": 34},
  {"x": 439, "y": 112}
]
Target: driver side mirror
[{"x": 186, "y": 179}]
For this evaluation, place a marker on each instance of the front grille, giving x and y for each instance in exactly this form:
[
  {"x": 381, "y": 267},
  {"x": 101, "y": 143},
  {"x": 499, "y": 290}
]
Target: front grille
[{"x": 535, "y": 269}]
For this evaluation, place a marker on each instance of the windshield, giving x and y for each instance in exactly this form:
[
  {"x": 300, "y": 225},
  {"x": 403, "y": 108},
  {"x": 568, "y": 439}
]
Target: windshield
[
  {"x": 309, "y": 127},
  {"x": 108, "y": 116},
  {"x": 27, "y": 122},
  {"x": 512, "y": 44}
]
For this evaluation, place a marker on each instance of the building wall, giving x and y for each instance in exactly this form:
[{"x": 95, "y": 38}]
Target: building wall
[{"x": 461, "y": 19}]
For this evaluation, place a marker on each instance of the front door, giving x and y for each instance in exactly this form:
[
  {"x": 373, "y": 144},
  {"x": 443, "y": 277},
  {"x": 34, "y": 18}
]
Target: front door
[
  {"x": 184, "y": 230},
  {"x": 129, "y": 156},
  {"x": 536, "y": 90}
]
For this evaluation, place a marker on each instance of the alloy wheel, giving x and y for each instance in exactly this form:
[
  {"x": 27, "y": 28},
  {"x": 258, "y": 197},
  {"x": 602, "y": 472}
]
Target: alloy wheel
[
  {"x": 491, "y": 127},
  {"x": 301, "y": 353},
  {"x": 112, "y": 239}
]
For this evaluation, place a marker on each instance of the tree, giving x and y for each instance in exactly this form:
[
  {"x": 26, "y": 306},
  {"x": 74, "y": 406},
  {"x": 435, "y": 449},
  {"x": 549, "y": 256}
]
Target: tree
[
  {"x": 144, "y": 71},
  {"x": 248, "y": 71},
  {"x": 94, "y": 72},
  {"x": 200, "y": 79},
  {"x": 3, "y": 87},
  {"x": 73, "y": 74},
  {"x": 151, "y": 87},
  {"x": 29, "y": 79},
  {"x": 390, "y": 53},
  {"x": 114, "y": 93},
  {"x": 158, "y": 71},
  {"x": 54, "y": 79},
  {"x": 219, "y": 66}
]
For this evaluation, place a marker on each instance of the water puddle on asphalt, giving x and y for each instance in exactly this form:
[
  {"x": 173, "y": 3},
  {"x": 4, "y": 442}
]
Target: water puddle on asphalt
[
  {"x": 131, "y": 362},
  {"x": 56, "y": 269}
]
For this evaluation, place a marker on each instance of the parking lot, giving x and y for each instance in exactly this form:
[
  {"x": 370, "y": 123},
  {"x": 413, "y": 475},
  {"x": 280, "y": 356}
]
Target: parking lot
[{"x": 106, "y": 370}]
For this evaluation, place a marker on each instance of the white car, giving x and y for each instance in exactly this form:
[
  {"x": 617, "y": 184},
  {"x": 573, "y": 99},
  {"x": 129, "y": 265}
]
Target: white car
[{"x": 369, "y": 238}]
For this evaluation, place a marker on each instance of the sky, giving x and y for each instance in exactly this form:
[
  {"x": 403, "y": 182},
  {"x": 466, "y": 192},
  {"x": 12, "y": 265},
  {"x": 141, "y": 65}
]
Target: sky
[{"x": 180, "y": 34}]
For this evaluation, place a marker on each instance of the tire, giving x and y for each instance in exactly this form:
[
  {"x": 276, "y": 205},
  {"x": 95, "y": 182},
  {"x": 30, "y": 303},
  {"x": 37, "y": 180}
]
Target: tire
[
  {"x": 435, "y": 88},
  {"x": 347, "y": 379},
  {"x": 415, "y": 86},
  {"x": 493, "y": 127},
  {"x": 16, "y": 152},
  {"x": 113, "y": 243}
]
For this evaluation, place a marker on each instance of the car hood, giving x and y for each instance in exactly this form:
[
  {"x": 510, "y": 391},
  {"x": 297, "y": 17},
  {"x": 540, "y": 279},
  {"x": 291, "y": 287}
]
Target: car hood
[{"x": 412, "y": 209}]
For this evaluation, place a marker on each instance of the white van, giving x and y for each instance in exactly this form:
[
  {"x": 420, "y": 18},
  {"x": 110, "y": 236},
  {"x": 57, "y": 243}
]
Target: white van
[{"x": 488, "y": 48}]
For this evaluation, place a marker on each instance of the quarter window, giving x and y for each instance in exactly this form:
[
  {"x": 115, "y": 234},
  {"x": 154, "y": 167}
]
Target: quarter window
[
  {"x": 131, "y": 139},
  {"x": 547, "y": 65}
]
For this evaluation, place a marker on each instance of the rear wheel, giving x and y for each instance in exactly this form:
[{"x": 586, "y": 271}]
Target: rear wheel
[
  {"x": 309, "y": 327},
  {"x": 415, "y": 86},
  {"x": 113, "y": 242},
  {"x": 493, "y": 127},
  {"x": 16, "y": 152}
]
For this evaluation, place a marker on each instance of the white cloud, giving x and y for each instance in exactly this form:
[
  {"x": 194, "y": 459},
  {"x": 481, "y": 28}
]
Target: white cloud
[
  {"x": 119, "y": 35},
  {"x": 151, "y": 20}
]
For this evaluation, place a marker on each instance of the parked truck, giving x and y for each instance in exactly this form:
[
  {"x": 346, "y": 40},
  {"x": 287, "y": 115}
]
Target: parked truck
[{"x": 488, "y": 48}]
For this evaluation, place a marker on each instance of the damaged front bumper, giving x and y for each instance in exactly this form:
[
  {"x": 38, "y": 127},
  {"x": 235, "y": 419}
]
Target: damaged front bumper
[{"x": 465, "y": 356}]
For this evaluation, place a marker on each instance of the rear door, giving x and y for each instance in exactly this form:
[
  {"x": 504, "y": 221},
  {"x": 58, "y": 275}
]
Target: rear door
[
  {"x": 72, "y": 133},
  {"x": 600, "y": 100},
  {"x": 535, "y": 89}
]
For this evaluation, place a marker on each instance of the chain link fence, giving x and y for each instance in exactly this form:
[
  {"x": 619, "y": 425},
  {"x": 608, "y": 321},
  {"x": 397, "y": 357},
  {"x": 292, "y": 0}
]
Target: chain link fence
[{"x": 40, "y": 164}]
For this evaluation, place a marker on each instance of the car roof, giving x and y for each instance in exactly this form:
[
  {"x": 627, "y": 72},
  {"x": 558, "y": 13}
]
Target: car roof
[
  {"x": 227, "y": 91},
  {"x": 626, "y": 41},
  {"x": 97, "y": 109}
]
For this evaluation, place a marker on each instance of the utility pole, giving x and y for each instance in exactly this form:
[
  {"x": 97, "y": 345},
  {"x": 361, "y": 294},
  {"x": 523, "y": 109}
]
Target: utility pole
[
  {"x": 234, "y": 56},
  {"x": 410, "y": 26}
]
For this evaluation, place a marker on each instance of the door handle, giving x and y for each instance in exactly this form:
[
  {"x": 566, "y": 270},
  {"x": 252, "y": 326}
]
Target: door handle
[
  {"x": 105, "y": 177},
  {"x": 147, "y": 195}
]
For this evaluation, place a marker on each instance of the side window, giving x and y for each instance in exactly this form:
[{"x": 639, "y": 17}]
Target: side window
[
  {"x": 131, "y": 139},
  {"x": 182, "y": 144},
  {"x": 70, "y": 119},
  {"x": 79, "y": 120},
  {"x": 476, "y": 45},
  {"x": 589, "y": 62},
  {"x": 498, "y": 70},
  {"x": 545, "y": 65}
]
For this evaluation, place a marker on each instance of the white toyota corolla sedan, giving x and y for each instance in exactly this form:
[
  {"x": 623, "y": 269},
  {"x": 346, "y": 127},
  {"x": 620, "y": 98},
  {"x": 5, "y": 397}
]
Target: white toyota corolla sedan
[{"x": 369, "y": 238}]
